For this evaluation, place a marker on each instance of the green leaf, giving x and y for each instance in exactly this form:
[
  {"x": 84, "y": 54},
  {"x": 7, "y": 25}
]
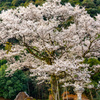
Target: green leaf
[{"x": 8, "y": 47}]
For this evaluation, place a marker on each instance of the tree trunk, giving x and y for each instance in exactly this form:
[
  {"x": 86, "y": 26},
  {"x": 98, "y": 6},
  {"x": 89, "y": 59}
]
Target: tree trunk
[
  {"x": 91, "y": 95},
  {"x": 54, "y": 87}
]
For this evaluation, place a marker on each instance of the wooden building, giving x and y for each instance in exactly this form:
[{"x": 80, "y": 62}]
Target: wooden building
[
  {"x": 67, "y": 96},
  {"x": 23, "y": 96}
]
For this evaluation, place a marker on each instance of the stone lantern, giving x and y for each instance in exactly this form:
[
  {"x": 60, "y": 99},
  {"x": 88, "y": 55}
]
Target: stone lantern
[{"x": 79, "y": 91}]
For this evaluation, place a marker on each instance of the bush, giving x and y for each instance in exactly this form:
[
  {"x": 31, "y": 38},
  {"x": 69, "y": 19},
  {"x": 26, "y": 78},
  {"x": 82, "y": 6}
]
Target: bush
[
  {"x": 15, "y": 2},
  {"x": 39, "y": 2},
  {"x": 12, "y": 85},
  {"x": 97, "y": 2},
  {"x": 2, "y": 62},
  {"x": 88, "y": 3},
  {"x": 7, "y": 4},
  {"x": 98, "y": 96}
]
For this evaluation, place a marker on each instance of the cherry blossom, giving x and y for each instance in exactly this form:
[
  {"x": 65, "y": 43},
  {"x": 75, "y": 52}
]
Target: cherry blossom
[{"x": 46, "y": 47}]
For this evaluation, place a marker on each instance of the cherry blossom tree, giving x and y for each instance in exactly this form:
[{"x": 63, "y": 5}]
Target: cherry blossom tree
[{"x": 53, "y": 40}]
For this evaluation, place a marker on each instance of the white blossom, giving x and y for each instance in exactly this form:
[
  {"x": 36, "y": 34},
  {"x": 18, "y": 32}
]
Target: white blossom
[{"x": 54, "y": 51}]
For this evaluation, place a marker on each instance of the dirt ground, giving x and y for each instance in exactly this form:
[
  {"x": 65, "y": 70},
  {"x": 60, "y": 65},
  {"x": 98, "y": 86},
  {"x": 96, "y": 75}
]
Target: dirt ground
[{"x": 3, "y": 98}]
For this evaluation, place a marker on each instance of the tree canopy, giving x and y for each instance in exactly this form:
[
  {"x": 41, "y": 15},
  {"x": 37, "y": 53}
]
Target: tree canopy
[
  {"x": 53, "y": 41},
  {"x": 92, "y": 6}
]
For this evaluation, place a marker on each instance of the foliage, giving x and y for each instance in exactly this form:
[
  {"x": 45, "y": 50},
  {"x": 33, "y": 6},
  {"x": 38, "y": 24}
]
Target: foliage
[
  {"x": 8, "y": 47},
  {"x": 2, "y": 70},
  {"x": 94, "y": 77},
  {"x": 15, "y": 2},
  {"x": 39, "y": 2},
  {"x": 6, "y": 4},
  {"x": 20, "y": 81},
  {"x": 88, "y": 3},
  {"x": 12, "y": 85},
  {"x": 3, "y": 67},
  {"x": 3, "y": 61},
  {"x": 92, "y": 61},
  {"x": 38, "y": 91},
  {"x": 98, "y": 96},
  {"x": 74, "y": 2},
  {"x": 92, "y": 6}
]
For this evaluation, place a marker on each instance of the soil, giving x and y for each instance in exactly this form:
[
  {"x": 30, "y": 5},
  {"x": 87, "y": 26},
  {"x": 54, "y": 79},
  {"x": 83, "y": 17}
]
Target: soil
[{"x": 3, "y": 98}]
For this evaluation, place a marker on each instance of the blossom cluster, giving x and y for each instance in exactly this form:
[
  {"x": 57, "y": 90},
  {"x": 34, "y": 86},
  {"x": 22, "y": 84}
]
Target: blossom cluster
[{"x": 52, "y": 51}]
